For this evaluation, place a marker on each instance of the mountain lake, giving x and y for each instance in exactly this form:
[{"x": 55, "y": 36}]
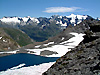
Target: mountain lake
[{"x": 10, "y": 61}]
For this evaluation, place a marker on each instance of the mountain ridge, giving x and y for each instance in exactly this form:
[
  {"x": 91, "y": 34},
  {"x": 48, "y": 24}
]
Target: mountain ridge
[
  {"x": 11, "y": 39},
  {"x": 26, "y": 20},
  {"x": 83, "y": 59},
  {"x": 40, "y": 29}
]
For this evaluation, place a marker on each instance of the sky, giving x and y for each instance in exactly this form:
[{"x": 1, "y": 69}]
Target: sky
[{"x": 47, "y": 8}]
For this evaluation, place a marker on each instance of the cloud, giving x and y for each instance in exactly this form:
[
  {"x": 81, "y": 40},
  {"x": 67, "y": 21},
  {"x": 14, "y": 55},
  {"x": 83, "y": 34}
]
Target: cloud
[{"x": 62, "y": 9}]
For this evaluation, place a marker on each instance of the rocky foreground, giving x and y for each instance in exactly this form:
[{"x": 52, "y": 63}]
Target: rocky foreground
[{"x": 85, "y": 58}]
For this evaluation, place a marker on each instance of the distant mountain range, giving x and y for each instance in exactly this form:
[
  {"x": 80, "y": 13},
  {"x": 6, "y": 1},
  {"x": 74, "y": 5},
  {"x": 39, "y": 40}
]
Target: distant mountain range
[
  {"x": 40, "y": 29},
  {"x": 64, "y": 21}
]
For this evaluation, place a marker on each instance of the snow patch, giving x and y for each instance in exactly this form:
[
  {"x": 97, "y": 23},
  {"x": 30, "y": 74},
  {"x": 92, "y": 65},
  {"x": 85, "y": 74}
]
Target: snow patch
[
  {"x": 12, "y": 52},
  {"x": 0, "y": 38},
  {"x": 31, "y": 70},
  {"x": 65, "y": 24},
  {"x": 63, "y": 47},
  {"x": 19, "y": 66},
  {"x": 48, "y": 44},
  {"x": 37, "y": 46},
  {"x": 4, "y": 41},
  {"x": 35, "y": 20},
  {"x": 62, "y": 38}
]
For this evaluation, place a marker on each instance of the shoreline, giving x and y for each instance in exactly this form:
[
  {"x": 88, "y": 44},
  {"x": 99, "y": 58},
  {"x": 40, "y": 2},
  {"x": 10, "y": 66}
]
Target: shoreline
[
  {"x": 2, "y": 54},
  {"x": 7, "y": 53},
  {"x": 36, "y": 69}
]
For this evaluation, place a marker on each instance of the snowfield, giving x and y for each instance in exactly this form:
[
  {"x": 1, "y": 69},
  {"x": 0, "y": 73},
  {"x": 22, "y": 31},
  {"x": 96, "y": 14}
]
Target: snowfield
[
  {"x": 31, "y": 70},
  {"x": 63, "y": 47}
]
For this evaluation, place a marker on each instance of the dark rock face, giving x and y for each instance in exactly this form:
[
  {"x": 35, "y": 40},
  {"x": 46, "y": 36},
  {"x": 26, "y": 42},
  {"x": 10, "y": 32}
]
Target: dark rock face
[{"x": 84, "y": 59}]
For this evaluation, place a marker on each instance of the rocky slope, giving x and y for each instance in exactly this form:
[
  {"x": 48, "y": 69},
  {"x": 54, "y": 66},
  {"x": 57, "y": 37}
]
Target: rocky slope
[
  {"x": 43, "y": 21},
  {"x": 85, "y": 58},
  {"x": 6, "y": 42},
  {"x": 11, "y": 39},
  {"x": 19, "y": 36}
]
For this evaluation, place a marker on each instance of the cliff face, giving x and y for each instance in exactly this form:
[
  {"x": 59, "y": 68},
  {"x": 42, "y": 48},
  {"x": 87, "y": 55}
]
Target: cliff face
[{"x": 85, "y": 58}]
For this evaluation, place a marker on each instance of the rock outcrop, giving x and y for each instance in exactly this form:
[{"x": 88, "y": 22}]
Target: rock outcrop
[{"x": 85, "y": 58}]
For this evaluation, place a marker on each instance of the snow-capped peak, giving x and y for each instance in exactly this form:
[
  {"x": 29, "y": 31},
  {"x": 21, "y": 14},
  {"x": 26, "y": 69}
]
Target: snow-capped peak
[
  {"x": 25, "y": 19},
  {"x": 74, "y": 17},
  {"x": 17, "y": 19},
  {"x": 78, "y": 16},
  {"x": 10, "y": 19}
]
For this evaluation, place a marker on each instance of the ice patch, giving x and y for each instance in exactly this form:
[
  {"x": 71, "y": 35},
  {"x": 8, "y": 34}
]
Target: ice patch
[{"x": 31, "y": 70}]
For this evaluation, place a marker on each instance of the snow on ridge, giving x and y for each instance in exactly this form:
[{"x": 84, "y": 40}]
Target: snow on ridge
[
  {"x": 78, "y": 16},
  {"x": 65, "y": 24},
  {"x": 73, "y": 17},
  {"x": 16, "y": 20},
  {"x": 8, "y": 19},
  {"x": 31, "y": 70},
  {"x": 25, "y": 19},
  {"x": 35, "y": 20},
  {"x": 63, "y": 47}
]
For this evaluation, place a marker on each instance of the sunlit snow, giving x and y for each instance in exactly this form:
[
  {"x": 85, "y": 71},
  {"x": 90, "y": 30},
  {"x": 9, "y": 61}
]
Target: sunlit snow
[
  {"x": 48, "y": 43},
  {"x": 8, "y": 19},
  {"x": 73, "y": 17},
  {"x": 4, "y": 41},
  {"x": 37, "y": 46},
  {"x": 12, "y": 52},
  {"x": 31, "y": 70},
  {"x": 0, "y": 37},
  {"x": 63, "y": 47}
]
